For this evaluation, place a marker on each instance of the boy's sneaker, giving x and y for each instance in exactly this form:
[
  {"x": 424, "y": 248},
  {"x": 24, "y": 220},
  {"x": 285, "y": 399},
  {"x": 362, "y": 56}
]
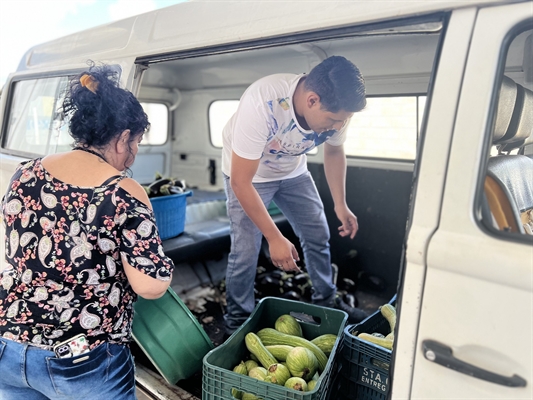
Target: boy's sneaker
[{"x": 355, "y": 314}]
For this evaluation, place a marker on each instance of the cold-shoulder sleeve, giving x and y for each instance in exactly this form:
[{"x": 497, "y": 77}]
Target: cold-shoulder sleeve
[{"x": 141, "y": 243}]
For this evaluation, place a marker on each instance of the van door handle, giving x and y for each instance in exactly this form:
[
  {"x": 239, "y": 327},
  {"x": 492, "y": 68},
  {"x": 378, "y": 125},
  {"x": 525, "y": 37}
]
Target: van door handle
[
  {"x": 443, "y": 355},
  {"x": 212, "y": 171}
]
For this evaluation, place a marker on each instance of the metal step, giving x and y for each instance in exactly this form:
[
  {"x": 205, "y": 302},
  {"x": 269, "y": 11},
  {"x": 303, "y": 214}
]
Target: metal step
[{"x": 152, "y": 386}]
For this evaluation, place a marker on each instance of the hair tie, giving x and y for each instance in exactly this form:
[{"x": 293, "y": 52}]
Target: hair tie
[{"x": 87, "y": 81}]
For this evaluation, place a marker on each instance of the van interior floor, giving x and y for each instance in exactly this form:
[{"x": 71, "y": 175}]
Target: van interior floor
[
  {"x": 209, "y": 311},
  {"x": 213, "y": 322}
]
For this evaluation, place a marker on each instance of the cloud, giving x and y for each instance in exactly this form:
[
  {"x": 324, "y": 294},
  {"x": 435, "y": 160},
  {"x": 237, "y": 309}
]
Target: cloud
[{"x": 26, "y": 23}]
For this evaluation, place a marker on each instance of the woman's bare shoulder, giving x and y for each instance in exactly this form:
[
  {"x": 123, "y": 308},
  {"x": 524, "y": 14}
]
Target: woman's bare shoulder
[{"x": 135, "y": 189}]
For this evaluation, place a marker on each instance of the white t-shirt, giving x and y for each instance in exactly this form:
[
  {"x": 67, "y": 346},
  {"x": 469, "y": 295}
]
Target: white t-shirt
[{"x": 265, "y": 126}]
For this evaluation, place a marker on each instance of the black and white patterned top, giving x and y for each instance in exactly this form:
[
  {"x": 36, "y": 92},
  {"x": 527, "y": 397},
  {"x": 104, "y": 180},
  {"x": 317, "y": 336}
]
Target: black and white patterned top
[{"x": 64, "y": 273}]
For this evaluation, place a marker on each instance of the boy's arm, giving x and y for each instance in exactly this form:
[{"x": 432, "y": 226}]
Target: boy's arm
[
  {"x": 335, "y": 169},
  {"x": 282, "y": 251}
]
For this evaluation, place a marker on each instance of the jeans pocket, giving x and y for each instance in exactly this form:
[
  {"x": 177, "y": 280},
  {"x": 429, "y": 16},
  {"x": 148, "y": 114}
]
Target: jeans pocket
[{"x": 77, "y": 376}]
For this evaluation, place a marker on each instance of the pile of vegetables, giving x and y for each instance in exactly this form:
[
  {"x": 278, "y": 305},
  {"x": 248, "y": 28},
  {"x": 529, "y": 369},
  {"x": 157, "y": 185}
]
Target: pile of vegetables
[
  {"x": 164, "y": 186},
  {"x": 286, "y": 285},
  {"x": 296, "y": 286},
  {"x": 284, "y": 357},
  {"x": 389, "y": 313}
]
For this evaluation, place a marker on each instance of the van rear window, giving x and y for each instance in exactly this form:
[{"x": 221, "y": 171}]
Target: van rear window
[{"x": 158, "y": 117}]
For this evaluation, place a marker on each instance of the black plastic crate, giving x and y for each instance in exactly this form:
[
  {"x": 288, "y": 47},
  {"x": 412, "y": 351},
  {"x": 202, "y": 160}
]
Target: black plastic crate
[
  {"x": 353, "y": 391},
  {"x": 346, "y": 389},
  {"x": 364, "y": 366}
]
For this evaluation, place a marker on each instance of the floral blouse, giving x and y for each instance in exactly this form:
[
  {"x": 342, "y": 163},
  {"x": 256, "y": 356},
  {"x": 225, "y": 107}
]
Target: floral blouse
[{"x": 63, "y": 248}]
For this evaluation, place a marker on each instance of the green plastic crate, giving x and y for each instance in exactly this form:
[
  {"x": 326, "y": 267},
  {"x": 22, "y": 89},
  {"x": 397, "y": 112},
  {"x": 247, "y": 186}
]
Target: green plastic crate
[
  {"x": 218, "y": 378},
  {"x": 170, "y": 336}
]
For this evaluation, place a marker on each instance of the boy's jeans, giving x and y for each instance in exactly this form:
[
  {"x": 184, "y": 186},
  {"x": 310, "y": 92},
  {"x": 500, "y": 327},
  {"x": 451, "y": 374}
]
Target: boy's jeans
[{"x": 299, "y": 201}]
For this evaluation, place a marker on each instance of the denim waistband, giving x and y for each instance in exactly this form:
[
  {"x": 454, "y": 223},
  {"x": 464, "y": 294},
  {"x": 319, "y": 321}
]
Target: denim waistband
[{"x": 40, "y": 346}]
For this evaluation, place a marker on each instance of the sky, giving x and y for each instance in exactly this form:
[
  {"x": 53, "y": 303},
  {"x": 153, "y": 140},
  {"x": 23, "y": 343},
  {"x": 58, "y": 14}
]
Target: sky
[{"x": 26, "y": 23}]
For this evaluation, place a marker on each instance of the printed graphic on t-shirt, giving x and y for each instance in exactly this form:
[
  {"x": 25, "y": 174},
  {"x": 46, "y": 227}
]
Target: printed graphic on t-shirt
[
  {"x": 265, "y": 127},
  {"x": 285, "y": 138}
]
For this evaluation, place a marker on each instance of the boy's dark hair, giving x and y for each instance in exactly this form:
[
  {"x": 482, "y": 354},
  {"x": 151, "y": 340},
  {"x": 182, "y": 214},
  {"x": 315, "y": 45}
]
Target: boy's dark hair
[
  {"x": 339, "y": 84},
  {"x": 100, "y": 110}
]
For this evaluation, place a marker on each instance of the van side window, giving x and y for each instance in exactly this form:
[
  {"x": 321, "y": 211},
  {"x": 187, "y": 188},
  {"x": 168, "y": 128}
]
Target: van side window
[
  {"x": 388, "y": 128},
  {"x": 34, "y": 125},
  {"x": 158, "y": 117}
]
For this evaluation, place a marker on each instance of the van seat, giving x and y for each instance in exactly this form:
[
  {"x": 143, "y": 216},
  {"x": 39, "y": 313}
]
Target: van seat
[
  {"x": 509, "y": 189},
  {"x": 205, "y": 205},
  {"x": 509, "y": 181},
  {"x": 207, "y": 231}
]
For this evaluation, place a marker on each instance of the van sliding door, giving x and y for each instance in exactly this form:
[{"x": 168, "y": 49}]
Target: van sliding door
[{"x": 475, "y": 338}]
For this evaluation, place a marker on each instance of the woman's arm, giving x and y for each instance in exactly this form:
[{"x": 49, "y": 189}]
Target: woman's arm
[{"x": 142, "y": 284}]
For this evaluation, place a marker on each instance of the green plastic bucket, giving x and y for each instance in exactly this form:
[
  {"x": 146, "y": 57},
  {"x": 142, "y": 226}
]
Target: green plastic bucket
[{"x": 170, "y": 336}]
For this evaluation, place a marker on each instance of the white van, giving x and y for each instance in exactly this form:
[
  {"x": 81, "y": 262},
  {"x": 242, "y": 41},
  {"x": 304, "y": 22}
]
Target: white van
[{"x": 440, "y": 162}]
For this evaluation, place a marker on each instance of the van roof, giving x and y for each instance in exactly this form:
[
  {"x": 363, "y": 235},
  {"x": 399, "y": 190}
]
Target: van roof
[{"x": 199, "y": 24}]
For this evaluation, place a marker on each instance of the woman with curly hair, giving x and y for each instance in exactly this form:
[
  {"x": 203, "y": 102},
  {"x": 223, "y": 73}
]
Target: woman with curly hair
[{"x": 81, "y": 244}]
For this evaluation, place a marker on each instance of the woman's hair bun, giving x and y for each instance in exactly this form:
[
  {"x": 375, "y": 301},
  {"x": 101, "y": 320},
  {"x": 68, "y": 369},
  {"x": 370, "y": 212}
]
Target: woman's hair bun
[{"x": 99, "y": 109}]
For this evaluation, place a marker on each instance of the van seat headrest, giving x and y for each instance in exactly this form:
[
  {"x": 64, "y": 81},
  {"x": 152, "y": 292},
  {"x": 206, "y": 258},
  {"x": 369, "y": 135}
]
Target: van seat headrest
[
  {"x": 506, "y": 105},
  {"x": 525, "y": 127},
  {"x": 514, "y": 121}
]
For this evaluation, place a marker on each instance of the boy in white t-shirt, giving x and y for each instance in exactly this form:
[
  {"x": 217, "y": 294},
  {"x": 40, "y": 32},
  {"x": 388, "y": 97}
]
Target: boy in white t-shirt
[{"x": 279, "y": 119}]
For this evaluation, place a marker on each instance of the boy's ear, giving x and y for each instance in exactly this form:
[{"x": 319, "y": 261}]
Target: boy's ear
[{"x": 312, "y": 99}]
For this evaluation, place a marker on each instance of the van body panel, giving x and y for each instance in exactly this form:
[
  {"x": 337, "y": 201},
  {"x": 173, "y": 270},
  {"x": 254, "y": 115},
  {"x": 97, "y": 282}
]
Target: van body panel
[
  {"x": 193, "y": 152},
  {"x": 201, "y": 26},
  {"x": 482, "y": 288},
  {"x": 481, "y": 329},
  {"x": 156, "y": 158},
  {"x": 458, "y": 282},
  {"x": 429, "y": 190}
]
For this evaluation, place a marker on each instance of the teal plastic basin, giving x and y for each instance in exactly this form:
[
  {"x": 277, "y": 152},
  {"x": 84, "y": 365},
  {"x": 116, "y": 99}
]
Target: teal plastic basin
[{"x": 170, "y": 336}]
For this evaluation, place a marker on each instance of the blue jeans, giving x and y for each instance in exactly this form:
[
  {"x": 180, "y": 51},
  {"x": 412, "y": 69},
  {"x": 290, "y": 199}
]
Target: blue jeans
[
  {"x": 300, "y": 202},
  {"x": 31, "y": 373}
]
